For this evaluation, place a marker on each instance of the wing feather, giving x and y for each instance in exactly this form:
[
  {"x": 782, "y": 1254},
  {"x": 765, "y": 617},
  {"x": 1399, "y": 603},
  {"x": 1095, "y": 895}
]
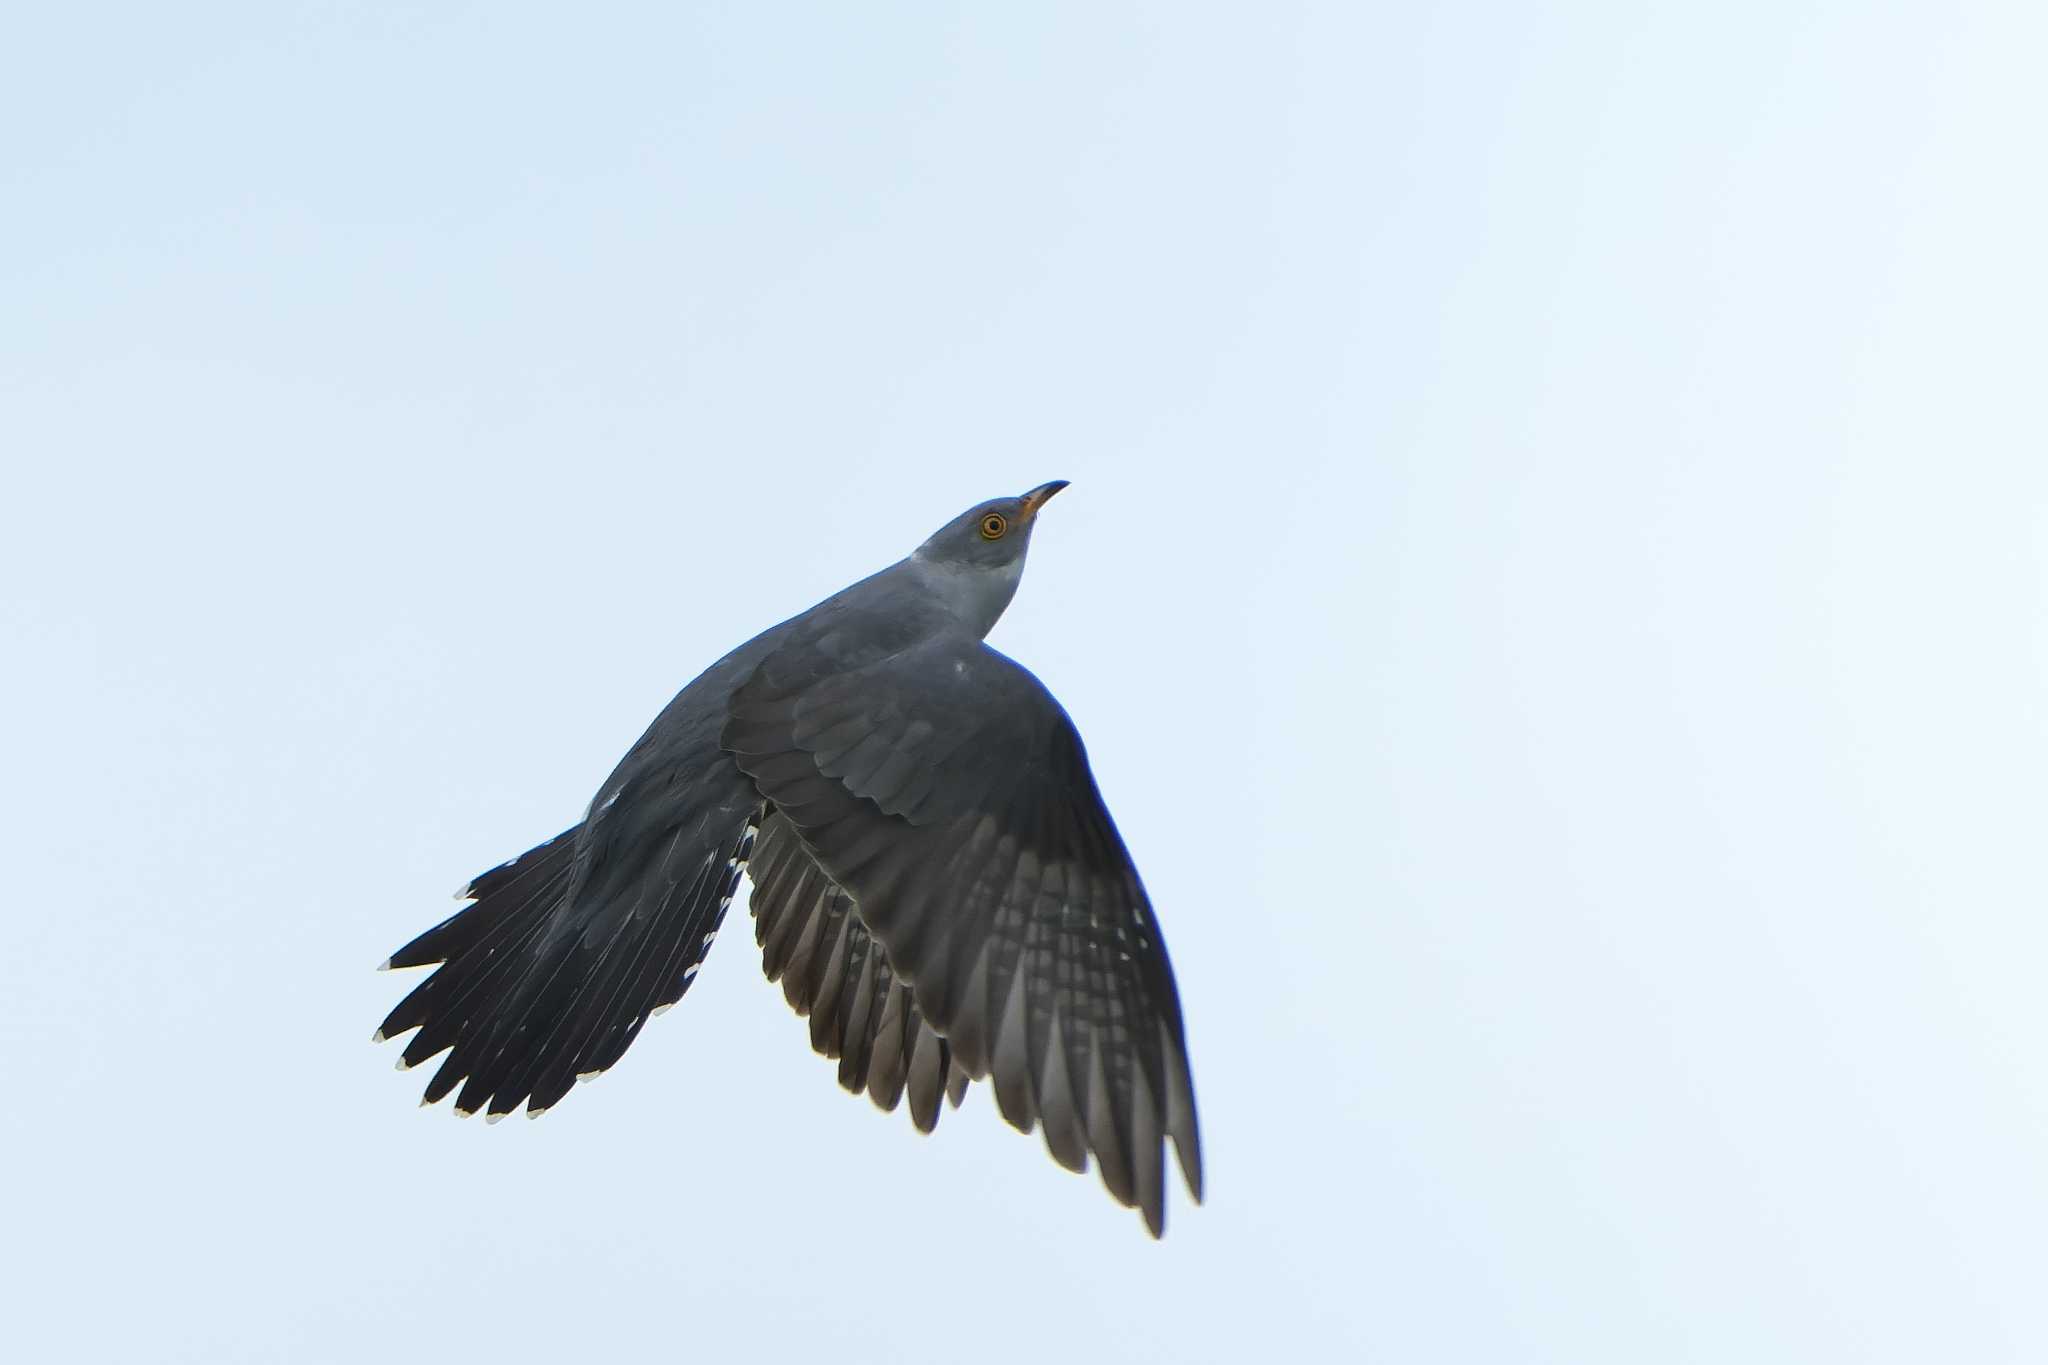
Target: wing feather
[
  {"x": 834, "y": 973},
  {"x": 946, "y": 793}
]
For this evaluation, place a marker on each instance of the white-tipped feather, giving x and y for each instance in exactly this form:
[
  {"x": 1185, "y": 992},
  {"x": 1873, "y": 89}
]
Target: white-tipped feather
[
  {"x": 378, "y": 1036},
  {"x": 586, "y": 1077},
  {"x": 404, "y": 1065},
  {"x": 385, "y": 965},
  {"x": 492, "y": 1118},
  {"x": 535, "y": 1113}
]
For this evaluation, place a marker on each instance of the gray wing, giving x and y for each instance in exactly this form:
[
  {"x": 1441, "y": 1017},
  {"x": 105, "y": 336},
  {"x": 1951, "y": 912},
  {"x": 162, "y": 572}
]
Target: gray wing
[
  {"x": 833, "y": 971},
  {"x": 945, "y": 790}
]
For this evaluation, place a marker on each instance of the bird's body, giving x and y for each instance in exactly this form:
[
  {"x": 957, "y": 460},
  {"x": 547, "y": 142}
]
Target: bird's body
[{"x": 936, "y": 882}]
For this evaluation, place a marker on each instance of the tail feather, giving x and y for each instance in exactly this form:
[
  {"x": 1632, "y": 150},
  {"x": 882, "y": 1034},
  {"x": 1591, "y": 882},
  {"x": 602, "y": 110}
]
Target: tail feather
[
  {"x": 446, "y": 1017},
  {"x": 603, "y": 1013},
  {"x": 493, "y": 893},
  {"x": 477, "y": 943},
  {"x": 546, "y": 977}
]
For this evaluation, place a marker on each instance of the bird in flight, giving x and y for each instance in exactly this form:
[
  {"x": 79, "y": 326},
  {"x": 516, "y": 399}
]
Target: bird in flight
[{"x": 937, "y": 884}]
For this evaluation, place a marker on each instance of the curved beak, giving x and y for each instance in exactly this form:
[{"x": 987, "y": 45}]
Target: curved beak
[{"x": 1037, "y": 497}]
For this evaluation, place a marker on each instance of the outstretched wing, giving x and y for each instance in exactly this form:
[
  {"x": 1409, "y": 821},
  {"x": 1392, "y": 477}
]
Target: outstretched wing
[
  {"x": 833, "y": 971},
  {"x": 947, "y": 792}
]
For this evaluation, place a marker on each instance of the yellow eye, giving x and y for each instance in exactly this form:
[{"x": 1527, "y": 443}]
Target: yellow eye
[{"x": 993, "y": 525}]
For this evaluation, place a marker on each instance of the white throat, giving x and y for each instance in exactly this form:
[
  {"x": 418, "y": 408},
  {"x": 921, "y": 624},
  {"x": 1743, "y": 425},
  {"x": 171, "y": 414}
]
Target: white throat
[{"x": 976, "y": 597}]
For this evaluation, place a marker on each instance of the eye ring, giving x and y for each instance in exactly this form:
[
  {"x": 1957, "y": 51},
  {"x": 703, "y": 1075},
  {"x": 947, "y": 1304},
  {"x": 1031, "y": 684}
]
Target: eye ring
[{"x": 994, "y": 525}]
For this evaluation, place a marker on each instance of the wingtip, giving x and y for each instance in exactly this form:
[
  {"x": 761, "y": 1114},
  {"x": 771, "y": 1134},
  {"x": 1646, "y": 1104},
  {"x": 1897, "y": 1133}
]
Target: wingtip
[
  {"x": 385, "y": 965},
  {"x": 536, "y": 1113},
  {"x": 1190, "y": 1156},
  {"x": 586, "y": 1077},
  {"x": 492, "y": 1118},
  {"x": 403, "y": 1065},
  {"x": 378, "y": 1036}
]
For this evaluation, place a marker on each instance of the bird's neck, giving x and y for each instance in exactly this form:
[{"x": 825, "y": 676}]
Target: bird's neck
[{"x": 974, "y": 597}]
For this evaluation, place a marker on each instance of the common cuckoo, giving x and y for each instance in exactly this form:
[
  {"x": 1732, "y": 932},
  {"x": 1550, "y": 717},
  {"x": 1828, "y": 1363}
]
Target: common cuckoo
[{"x": 937, "y": 883}]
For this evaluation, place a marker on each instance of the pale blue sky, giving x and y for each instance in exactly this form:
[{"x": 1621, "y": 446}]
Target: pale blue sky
[{"x": 1553, "y": 588}]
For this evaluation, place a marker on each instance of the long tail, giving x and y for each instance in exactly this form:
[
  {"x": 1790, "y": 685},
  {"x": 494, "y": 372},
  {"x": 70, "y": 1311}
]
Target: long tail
[{"x": 542, "y": 984}]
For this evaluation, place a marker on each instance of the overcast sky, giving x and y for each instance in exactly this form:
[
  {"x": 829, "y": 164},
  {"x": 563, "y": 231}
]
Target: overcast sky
[{"x": 1552, "y": 586}]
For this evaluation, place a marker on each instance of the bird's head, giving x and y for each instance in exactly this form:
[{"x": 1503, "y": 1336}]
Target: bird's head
[{"x": 989, "y": 535}]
